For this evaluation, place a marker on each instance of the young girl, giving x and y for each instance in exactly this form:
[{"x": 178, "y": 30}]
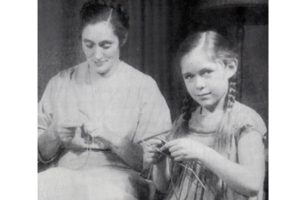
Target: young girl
[{"x": 215, "y": 148}]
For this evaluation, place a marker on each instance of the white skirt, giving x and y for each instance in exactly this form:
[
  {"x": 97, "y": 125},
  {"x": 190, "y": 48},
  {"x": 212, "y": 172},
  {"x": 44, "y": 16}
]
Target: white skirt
[{"x": 92, "y": 176}]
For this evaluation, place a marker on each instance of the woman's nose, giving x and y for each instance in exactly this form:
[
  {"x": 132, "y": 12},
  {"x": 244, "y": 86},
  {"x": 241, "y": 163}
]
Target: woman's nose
[
  {"x": 199, "y": 83},
  {"x": 98, "y": 53}
]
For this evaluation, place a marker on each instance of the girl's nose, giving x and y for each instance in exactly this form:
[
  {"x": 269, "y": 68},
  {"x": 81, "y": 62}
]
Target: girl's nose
[
  {"x": 199, "y": 83},
  {"x": 98, "y": 53}
]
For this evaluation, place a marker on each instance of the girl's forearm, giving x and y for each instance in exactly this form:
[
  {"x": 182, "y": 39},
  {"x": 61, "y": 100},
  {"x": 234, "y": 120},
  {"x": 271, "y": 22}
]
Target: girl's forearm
[
  {"x": 161, "y": 175},
  {"x": 242, "y": 179}
]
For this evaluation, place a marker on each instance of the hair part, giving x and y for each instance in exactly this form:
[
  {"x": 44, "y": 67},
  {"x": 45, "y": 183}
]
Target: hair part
[
  {"x": 216, "y": 45},
  {"x": 109, "y": 11}
]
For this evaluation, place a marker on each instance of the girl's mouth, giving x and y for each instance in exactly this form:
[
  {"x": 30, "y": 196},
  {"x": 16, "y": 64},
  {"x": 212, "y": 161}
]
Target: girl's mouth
[{"x": 202, "y": 95}]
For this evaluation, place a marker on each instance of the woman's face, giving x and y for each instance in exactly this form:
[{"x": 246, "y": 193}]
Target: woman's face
[
  {"x": 101, "y": 47},
  {"x": 206, "y": 80}
]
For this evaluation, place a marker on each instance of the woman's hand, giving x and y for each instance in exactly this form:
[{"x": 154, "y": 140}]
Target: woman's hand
[
  {"x": 131, "y": 153},
  {"x": 88, "y": 127},
  {"x": 103, "y": 136},
  {"x": 151, "y": 152},
  {"x": 185, "y": 149},
  {"x": 64, "y": 130}
]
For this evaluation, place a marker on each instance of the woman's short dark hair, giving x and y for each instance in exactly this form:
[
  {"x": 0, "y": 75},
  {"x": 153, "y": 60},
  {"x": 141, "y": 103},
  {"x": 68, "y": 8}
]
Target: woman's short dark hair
[{"x": 103, "y": 10}]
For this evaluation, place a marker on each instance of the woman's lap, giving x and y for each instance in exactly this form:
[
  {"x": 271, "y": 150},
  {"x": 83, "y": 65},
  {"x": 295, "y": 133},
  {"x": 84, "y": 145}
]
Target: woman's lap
[{"x": 103, "y": 183}]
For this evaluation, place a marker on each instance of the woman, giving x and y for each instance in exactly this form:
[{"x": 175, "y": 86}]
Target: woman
[{"x": 93, "y": 117}]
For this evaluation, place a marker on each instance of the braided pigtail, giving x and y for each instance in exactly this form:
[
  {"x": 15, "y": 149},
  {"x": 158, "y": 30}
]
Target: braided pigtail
[
  {"x": 225, "y": 132},
  {"x": 187, "y": 112},
  {"x": 231, "y": 95},
  {"x": 182, "y": 124},
  {"x": 180, "y": 130}
]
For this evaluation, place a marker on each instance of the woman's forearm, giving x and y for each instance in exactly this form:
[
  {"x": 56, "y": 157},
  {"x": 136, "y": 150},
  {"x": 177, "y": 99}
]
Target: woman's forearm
[
  {"x": 130, "y": 152},
  {"x": 48, "y": 145}
]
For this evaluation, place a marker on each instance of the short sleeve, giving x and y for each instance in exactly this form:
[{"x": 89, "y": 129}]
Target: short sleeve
[
  {"x": 45, "y": 108},
  {"x": 249, "y": 120},
  {"x": 154, "y": 118}
]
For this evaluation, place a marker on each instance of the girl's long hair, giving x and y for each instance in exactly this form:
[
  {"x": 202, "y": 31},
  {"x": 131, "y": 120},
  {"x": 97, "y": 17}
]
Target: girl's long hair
[{"x": 219, "y": 48}]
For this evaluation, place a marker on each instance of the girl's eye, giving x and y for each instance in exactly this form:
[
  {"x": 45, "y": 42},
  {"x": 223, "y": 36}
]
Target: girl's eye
[{"x": 206, "y": 72}]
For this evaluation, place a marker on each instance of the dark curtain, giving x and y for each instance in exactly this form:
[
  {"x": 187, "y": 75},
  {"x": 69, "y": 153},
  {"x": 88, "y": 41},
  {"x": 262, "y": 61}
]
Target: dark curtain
[{"x": 156, "y": 29}]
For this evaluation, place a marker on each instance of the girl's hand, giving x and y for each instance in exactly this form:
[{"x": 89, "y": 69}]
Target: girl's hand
[
  {"x": 64, "y": 130},
  {"x": 151, "y": 151},
  {"x": 184, "y": 149}
]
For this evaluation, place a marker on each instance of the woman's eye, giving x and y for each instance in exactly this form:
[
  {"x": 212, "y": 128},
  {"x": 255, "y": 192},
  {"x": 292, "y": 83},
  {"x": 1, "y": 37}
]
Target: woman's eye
[
  {"x": 106, "y": 46},
  {"x": 188, "y": 77},
  {"x": 89, "y": 45}
]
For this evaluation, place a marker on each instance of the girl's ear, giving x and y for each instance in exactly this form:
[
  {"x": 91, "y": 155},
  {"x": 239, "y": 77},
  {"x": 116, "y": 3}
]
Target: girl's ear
[{"x": 231, "y": 68}]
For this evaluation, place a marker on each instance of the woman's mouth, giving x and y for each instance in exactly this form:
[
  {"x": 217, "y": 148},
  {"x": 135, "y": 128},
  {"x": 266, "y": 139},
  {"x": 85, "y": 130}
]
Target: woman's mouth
[{"x": 99, "y": 63}]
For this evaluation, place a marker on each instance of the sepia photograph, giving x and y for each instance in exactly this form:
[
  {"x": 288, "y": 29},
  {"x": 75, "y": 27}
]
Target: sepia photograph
[{"x": 153, "y": 100}]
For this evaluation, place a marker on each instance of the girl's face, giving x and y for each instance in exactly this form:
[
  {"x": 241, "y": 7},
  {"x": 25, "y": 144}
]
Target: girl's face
[
  {"x": 101, "y": 47},
  {"x": 205, "y": 79}
]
